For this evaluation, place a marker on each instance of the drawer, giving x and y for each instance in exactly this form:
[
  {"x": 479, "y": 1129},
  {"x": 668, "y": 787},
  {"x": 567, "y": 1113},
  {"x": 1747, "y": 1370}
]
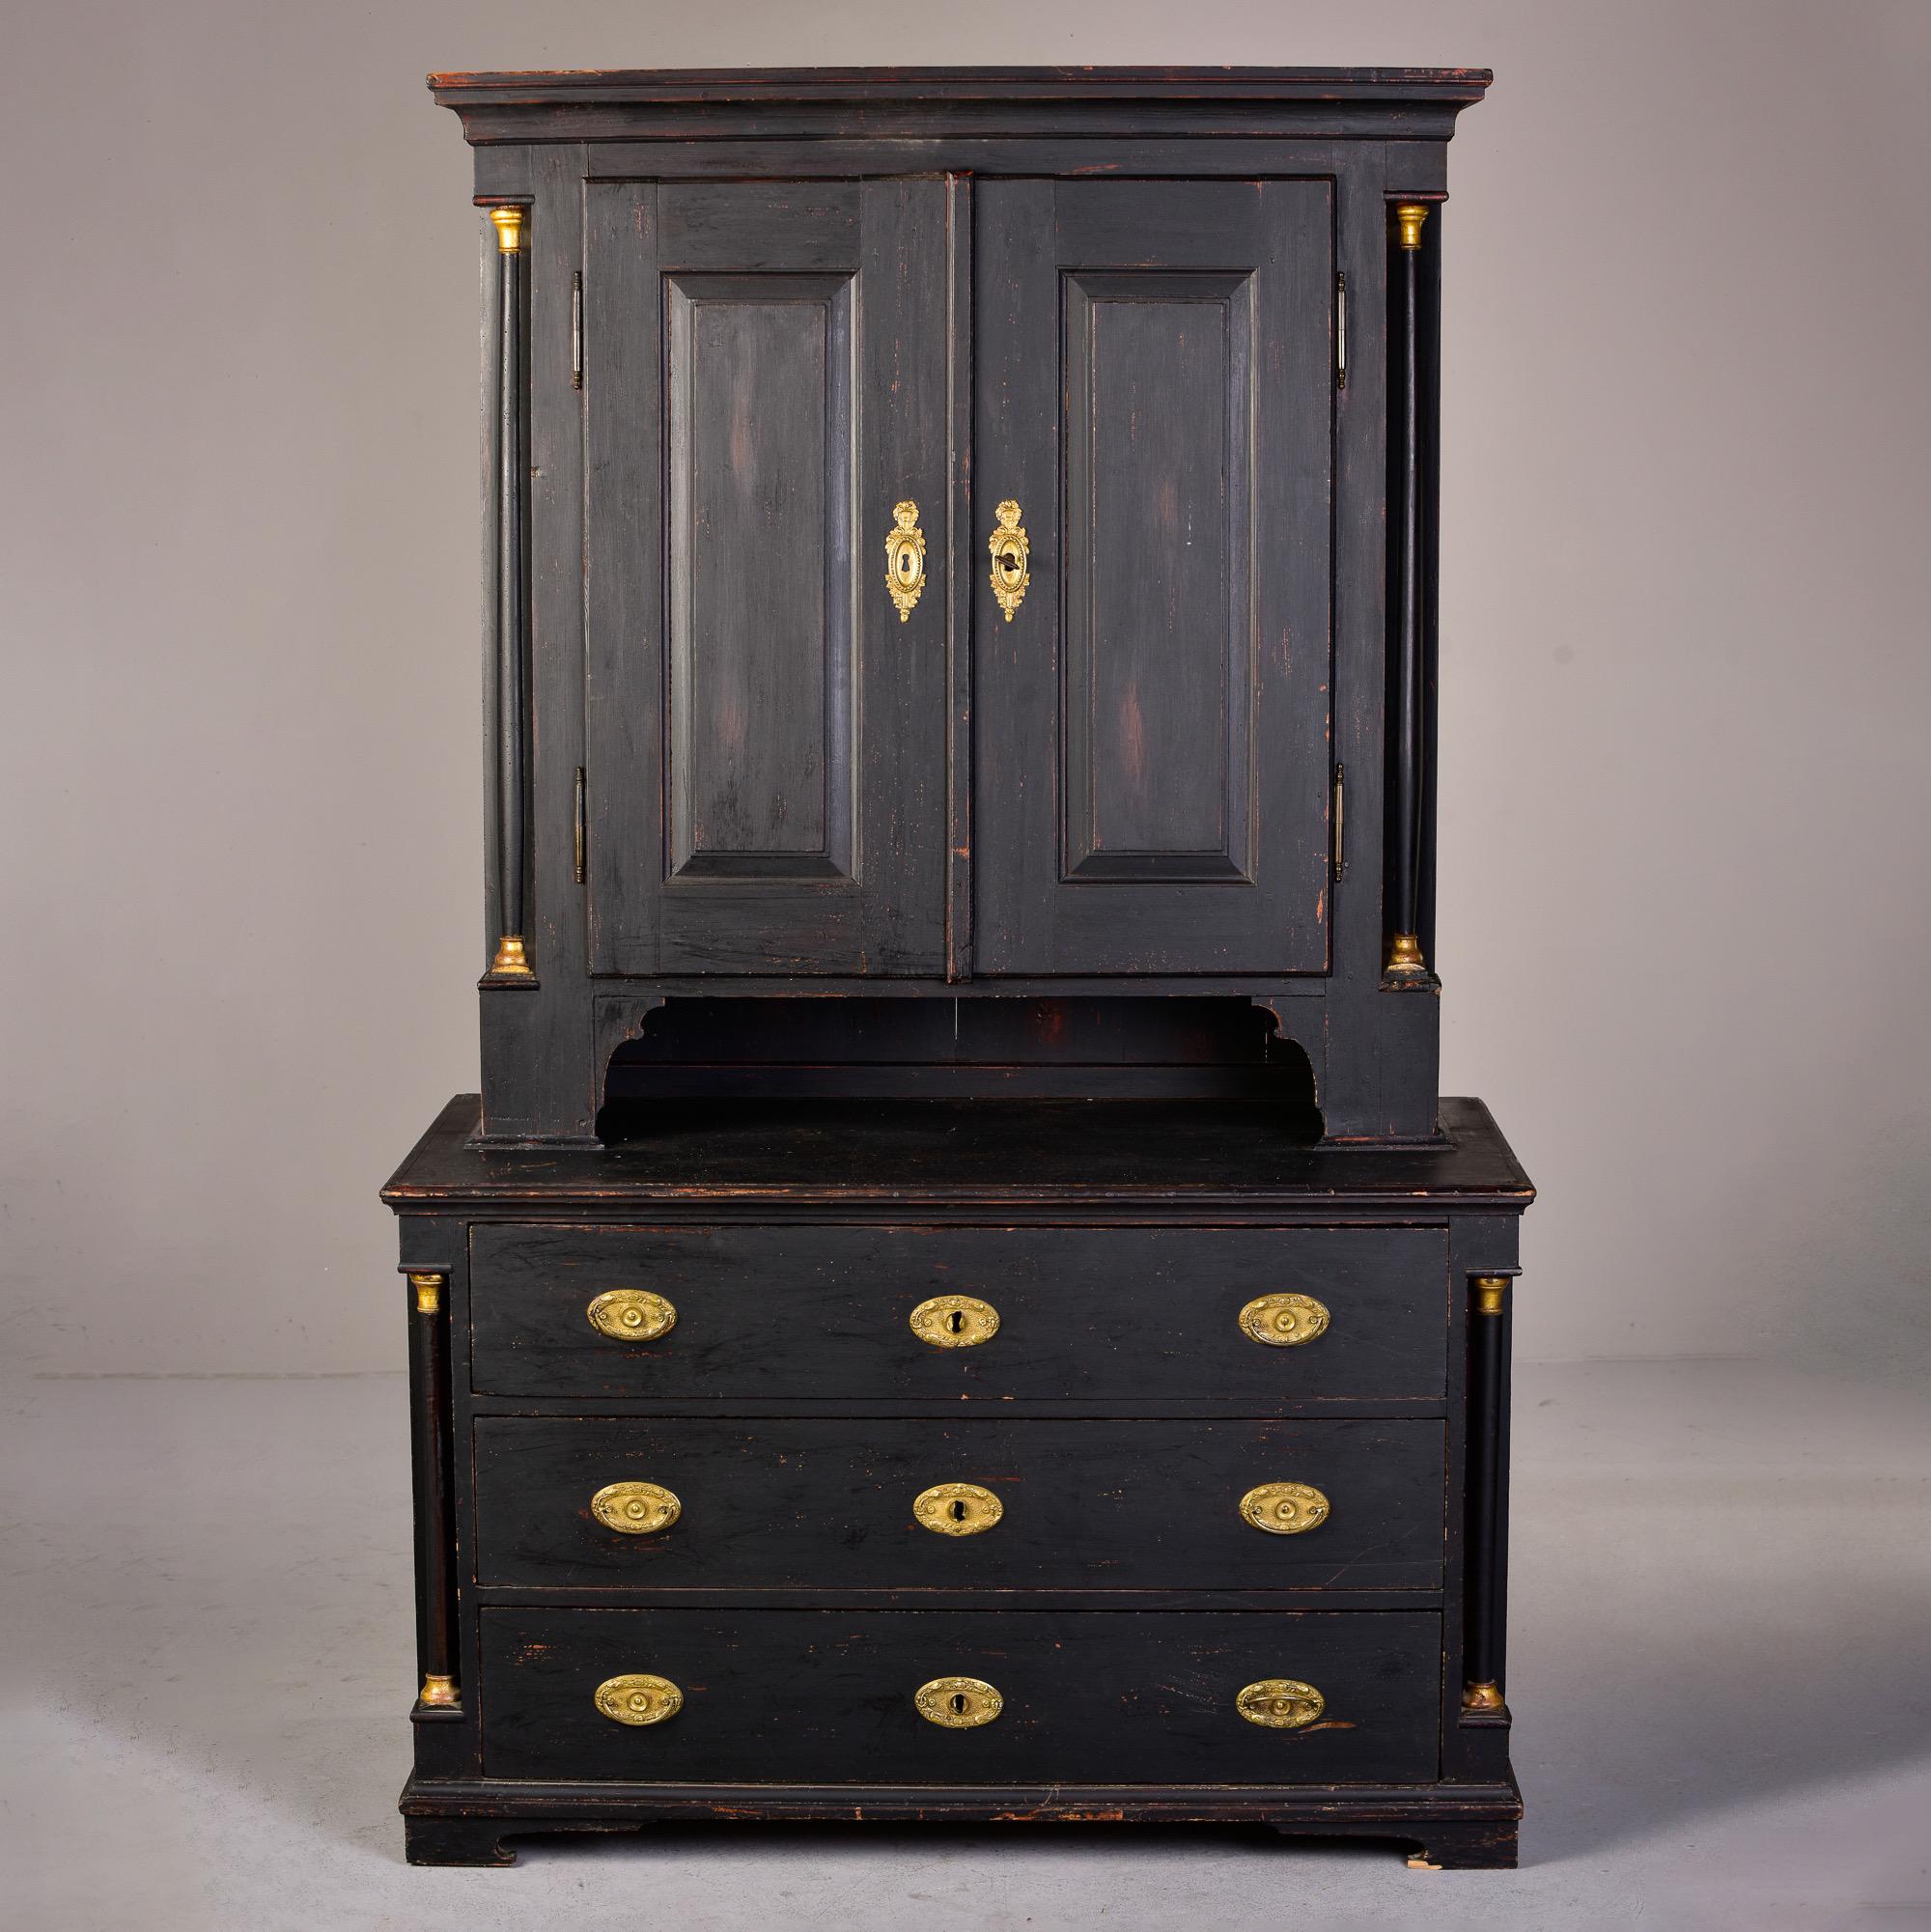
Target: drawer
[
  {"x": 1087, "y": 1697},
  {"x": 830, "y": 1504},
  {"x": 1098, "y": 1314}
]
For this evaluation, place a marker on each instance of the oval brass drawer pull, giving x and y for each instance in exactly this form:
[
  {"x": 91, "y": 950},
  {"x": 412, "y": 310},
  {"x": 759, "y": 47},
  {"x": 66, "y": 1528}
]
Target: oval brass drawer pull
[
  {"x": 1284, "y": 1321},
  {"x": 639, "y": 1699},
  {"x": 959, "y": 1703},
  {"x": 957, "y": 1508},
  {"x": 1285, "y": 1508},
  {"x": 955, "y": 1321},
  {"x": 631, "y": 1315},
  {"x": 635, "y": 1508},
  {"x": 1280, "y": 1703}
]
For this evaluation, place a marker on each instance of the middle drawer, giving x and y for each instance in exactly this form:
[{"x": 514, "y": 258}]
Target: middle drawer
[{"x": 830, "y": 1504}]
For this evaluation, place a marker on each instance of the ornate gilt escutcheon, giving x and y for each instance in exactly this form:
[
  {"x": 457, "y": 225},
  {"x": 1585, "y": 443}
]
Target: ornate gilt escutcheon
[
  {"x": 639, "y": 1698},
  {"x": 631, "y": 1315},
  {"x": 905, "y": 558},
  {"x": 957, "y": 1508},
  {"x": 959, "y": 1703},
  {"x": 1285, "y": 1508},
  {"x": 955, "y": 1321},
  {"x": 1011, "y": 559},
  {"x": 635, "y": 1508},
  {"x": 1284, "y": 1321},
  {"x": 1280, "y": 1703}
]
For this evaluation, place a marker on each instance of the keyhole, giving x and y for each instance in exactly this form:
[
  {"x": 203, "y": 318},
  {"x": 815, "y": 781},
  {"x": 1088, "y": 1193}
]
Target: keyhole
[
  {"x": 959, "y": 1703},
  {"x": 956, "y": 1321},
  {"x": 959, "y": 1509}
]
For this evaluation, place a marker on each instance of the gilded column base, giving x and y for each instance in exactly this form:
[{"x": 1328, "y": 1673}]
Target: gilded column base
[
  {"x": 1404, "y": 954},
  {"x": 439, "y": 1690},
  {"x": 511, "y": 958},
  {"x": 1483, "y": 1697}
]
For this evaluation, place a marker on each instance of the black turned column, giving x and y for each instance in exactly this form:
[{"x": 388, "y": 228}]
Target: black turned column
[
  {"x": 512, "y": 958},
  {"x": 1486, "y": 1554},
  {"x": 1405, "y": 777},
  {"x": 428, "y": 1402}
]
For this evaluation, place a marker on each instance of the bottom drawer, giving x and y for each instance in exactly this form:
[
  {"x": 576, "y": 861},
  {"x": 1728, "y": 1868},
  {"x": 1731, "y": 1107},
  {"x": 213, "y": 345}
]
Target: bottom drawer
[{"x": 1094, "y": 1697}]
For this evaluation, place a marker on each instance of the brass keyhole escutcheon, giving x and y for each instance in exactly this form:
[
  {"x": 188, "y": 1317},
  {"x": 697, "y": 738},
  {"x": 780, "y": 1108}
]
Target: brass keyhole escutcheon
[
  {"x": 631, "y": 1315},
  {"x": 1284, "y": 1321},
  {"x": 1285, "y": 1508},
  {"x": 635, "y": 1508},
  {"x": 638, "y": 1698},
  {"x": 957, "y": 1508},
  {"x": 957, "y": 1703},
  {"x": 955, "y": 1321},
  {"x": 905, "y": 558},
  {"x": 1012, "y": 553},
  {"x": 1280, "y": 1703}
]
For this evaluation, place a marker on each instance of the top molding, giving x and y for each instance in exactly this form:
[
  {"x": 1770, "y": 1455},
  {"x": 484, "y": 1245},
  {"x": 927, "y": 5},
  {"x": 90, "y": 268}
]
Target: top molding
[{"x": 704, "y": 103}]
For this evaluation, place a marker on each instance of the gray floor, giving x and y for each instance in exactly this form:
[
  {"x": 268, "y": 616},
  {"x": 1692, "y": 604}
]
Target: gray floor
[{"x": 1722, "y": 1589}]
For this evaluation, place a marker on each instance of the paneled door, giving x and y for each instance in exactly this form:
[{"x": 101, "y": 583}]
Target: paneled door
[
  {"x": 765, "y": 376},
  {"x": 1155, "y": 415}
]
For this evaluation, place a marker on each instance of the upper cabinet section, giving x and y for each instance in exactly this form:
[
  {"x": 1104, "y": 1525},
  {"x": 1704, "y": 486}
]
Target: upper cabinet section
[{"x": 959, "y": 534}]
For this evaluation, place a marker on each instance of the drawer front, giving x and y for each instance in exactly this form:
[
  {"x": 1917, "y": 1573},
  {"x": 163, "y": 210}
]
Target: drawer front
[
  {"x": 1102, "y": 1314},
  {"x": 829, "y": 1696},
  {"x": 830, "y": 1504}
]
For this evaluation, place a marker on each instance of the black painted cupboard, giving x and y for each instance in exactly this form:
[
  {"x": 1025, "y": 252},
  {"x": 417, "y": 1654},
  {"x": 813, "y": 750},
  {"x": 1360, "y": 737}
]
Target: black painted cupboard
[
  {"x": 969, "y": 540},
  {"x": 959, "y": 1186}
]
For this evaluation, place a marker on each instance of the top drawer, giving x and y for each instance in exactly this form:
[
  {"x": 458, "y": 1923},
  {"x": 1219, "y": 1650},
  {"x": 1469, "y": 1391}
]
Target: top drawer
[{"x": 1084, "y": 1314}]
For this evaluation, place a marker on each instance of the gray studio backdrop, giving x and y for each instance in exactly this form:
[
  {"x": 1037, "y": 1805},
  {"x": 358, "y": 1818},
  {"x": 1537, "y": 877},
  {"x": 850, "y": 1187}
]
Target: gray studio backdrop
[{"x": 1684, "y": 932}]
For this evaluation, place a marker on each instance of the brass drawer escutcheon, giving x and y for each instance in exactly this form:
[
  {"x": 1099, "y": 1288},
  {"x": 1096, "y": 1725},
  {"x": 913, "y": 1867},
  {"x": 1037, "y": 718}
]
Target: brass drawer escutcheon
[
  {"x": 1284, "y": 1321},
  {"x": 1280, "y": 1703},
  {"x": 955, "y": 1321},
  {"x": 1285, "y": 1508},
  {"x": 958, "y": 1508},
  {"x": 639, "y": 1699},
  {"x": 635, "y": 1508},
  {"x": 631, "y": 1315},
  {"x": 959, "y": 1703}
]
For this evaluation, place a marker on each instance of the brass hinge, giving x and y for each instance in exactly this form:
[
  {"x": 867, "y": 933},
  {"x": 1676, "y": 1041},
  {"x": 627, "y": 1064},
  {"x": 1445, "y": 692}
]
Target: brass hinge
[
  {"x": 1340, "y": 331},
  {"x": 1338, "y": 855},
  {"x": 579, "y": 824},
  {"x": 577, "y": 330}
]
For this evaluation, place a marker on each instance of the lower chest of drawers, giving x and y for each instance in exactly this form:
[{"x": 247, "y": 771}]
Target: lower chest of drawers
[
  {"x": 689, "y": 1552},
  {"x": 747, "y": 1515}
]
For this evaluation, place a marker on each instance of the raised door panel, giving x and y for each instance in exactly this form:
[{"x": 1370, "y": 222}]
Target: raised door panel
[
  {"x": 1152, "y": 775},
  {"x": 766, "y": 766}
]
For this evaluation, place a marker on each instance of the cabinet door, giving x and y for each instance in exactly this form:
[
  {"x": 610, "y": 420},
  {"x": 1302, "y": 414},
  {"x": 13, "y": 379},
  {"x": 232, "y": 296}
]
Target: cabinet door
[
  {"x": 1155, "y": 394},
  {"x": 765, "y": 378}
]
